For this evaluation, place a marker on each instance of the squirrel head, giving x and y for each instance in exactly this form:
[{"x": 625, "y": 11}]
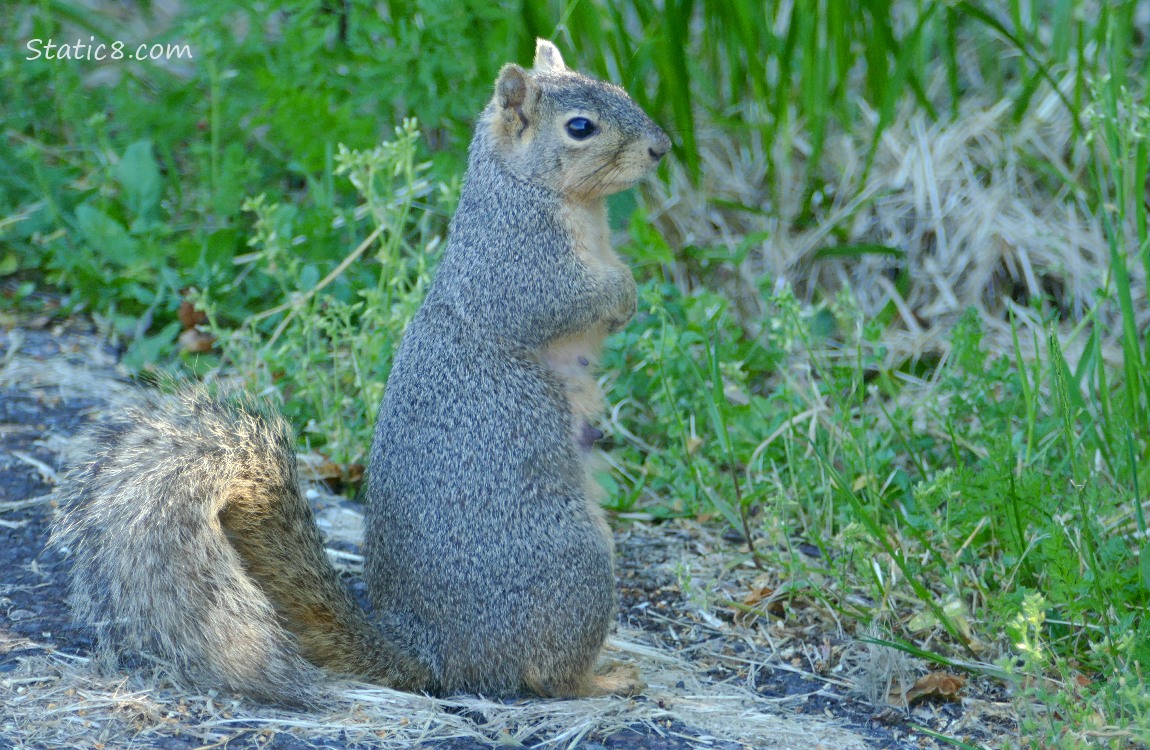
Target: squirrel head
[{"x": 584, "y": 138}]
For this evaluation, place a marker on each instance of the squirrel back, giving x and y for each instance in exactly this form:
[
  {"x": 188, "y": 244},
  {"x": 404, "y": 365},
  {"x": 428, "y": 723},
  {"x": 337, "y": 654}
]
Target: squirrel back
[{"x": 486, "y": 555}]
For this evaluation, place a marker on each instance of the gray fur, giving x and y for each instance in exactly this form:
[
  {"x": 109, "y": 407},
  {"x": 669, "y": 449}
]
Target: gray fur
[{"x": 479, "y": 527}]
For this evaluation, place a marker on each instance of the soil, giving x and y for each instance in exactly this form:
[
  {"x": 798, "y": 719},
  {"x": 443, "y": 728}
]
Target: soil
[{"x": 798, "y": 679}]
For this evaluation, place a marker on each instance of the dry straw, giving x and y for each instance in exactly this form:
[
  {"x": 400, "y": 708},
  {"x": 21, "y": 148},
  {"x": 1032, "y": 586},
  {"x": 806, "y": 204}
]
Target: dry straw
[
  {"x": 964, "y": 201},
  {"x": 57, "y": 701}
]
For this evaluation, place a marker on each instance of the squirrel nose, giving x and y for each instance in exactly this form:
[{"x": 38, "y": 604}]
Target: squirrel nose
[{"x": 660, "y": 148}]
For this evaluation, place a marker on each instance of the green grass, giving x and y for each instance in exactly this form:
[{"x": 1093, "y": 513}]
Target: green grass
[{"x": 982, "y": 505}]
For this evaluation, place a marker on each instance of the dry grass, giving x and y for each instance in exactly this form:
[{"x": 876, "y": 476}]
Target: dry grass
[
  {"x": 977, "y": 222},
  {"x": 59, "y": 701}
]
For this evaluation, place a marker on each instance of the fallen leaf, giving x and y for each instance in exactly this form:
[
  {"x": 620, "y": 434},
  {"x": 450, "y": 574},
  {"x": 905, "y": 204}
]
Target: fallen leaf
[
  {"x": 936, "y": 685},
  {"x": 195, "y": 341},
  {"x": 319, "y": 467},
  {"x": 190, "y": 316},
  {"x": 758, "y": 593},
  {"x": 336, "y": 477}
]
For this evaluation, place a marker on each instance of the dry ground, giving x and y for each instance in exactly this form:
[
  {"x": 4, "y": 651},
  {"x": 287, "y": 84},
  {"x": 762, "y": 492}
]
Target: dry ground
[{"x": 790, "y": 680}]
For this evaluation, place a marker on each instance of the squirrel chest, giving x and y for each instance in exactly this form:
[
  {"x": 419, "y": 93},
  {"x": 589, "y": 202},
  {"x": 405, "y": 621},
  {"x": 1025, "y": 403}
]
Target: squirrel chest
[{"x": 574, "y": 358}]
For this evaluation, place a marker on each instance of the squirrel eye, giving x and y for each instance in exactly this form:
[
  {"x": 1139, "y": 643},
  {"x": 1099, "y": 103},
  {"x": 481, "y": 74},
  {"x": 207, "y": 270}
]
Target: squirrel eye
[{"x": 580, "y": 128}]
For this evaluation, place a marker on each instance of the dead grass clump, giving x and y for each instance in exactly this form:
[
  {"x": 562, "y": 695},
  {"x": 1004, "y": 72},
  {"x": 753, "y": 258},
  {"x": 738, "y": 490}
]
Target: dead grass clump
[{"x": 970, "y": 205}]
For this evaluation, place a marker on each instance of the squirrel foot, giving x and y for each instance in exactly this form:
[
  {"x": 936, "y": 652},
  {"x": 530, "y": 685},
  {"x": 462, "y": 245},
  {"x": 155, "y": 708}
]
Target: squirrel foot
[
  {"x": 615, "y": 678},
  {"x": 610, "y": 678}
]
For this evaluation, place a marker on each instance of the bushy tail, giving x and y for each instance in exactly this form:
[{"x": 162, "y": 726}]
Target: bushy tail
[{"x": 189, "y": 540}]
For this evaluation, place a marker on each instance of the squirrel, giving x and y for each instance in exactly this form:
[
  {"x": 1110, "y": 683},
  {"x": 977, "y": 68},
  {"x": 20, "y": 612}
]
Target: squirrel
[{"x": 488, "y": 561}]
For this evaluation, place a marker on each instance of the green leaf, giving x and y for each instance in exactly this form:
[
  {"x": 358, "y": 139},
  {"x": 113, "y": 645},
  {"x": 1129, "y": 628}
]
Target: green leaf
[
  {"x": 9, "y": 264},
  {"x": 1144, "y": 566},
  {"x": 147, "y": 349},
  {"x": 139, "y": 175},
  {"x": 106, "y": 236},
  {"x": 649, "y": 247},
  {"x": 220, "y": 246},
  {"x": 228, "y": 192},
  {"x": 308, "y": 277},
  {"x": 857, "y": 251}
]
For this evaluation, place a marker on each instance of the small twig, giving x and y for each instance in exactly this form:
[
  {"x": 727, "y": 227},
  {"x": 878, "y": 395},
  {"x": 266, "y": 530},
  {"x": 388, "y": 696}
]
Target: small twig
[
  {"x": 15, "y": 342},
  {"x": 21, "y": 504},
  {"x": 340, "y": 555},
  {"x": 744, "y": 516},
  {"x": 46, "y": 472}
]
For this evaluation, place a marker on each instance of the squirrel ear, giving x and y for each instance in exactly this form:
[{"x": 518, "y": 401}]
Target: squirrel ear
[
  {"x": 512, "y": 89},
  {"x": 547, "y": 57}
]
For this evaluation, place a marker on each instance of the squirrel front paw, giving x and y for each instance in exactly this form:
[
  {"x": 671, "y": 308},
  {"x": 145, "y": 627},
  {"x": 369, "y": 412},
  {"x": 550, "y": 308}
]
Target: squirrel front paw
[
  {"x": 588, "y": 434},
  {"x": 627, "y": 304}
]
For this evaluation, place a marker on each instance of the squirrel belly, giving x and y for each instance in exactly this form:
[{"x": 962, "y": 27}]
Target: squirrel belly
[
  {"x": 487, "y": 557},
  {"x": 575, "y": 358}
]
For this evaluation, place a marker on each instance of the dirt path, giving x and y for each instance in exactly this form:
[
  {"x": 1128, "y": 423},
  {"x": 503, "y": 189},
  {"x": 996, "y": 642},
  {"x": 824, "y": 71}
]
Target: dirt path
[{"x": 711, "y": 682}]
